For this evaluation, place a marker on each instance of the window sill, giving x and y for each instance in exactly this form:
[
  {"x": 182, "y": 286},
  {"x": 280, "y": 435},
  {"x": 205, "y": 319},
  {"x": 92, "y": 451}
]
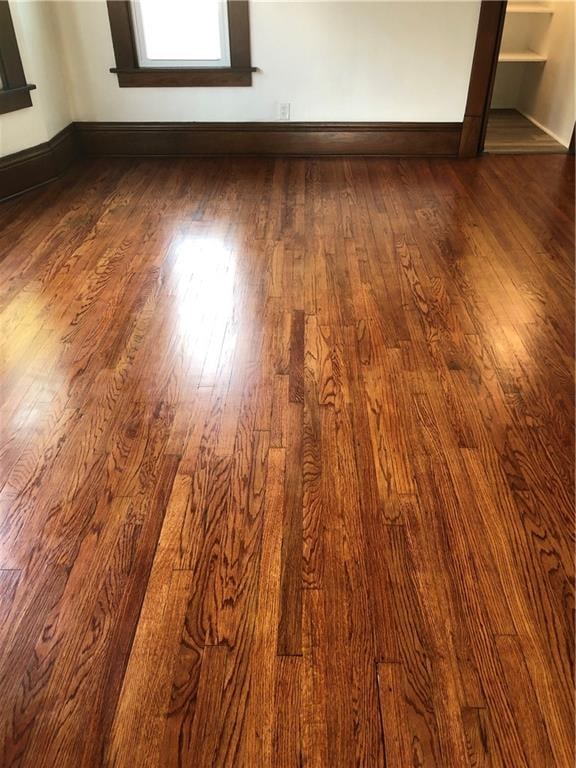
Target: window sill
[
  {"x": 12, "y": 99},
  {"x": 157, "y": 77}
]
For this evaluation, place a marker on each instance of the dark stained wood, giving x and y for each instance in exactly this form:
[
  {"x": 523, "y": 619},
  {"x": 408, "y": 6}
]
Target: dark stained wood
[
  {"x": 14, "y": 91},
  {"x": 470, "y": 136},
  {"x": 488, "y": 37},
  {"x": 122, "y": 30},
  {"x": 287, "y": 464},
  {"x": 170, "y": 77},
  {"x": 132, "y": 75},
  {"x": 420, "y": 139},
  {"x": 13, "y": 99},
  {"x": 490, "y": 22},
  {"x": 38, "y": 165},
  {"x": 239, "y": 32}
]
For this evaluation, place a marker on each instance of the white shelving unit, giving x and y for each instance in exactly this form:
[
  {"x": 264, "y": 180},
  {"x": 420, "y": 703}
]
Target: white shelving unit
[
  {"x": 523, "y": 38},
  {"x": 528, "y": 8},
  {"x": 521, "y": 56},
  {"x": 534, "y": 84}
]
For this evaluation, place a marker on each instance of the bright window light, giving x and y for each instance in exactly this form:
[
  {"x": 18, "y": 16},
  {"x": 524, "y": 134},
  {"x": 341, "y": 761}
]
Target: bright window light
[{"x": 177, "y": 33}]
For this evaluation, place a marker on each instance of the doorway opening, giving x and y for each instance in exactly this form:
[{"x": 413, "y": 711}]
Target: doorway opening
[{"x": 532, "y": 107}]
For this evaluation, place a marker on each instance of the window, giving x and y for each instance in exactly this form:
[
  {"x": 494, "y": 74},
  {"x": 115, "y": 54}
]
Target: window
[
  {"x": 14, "y": 90},
  {"x": 181, "y": 42},
  {"x": 182, "y": 34}
]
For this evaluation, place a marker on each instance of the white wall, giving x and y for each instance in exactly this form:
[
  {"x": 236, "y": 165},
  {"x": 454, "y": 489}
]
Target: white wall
[
  {"x": 405, "y": 61},
  {"x": 38, "y": 40},
  {"x": 507, "y": 85}
]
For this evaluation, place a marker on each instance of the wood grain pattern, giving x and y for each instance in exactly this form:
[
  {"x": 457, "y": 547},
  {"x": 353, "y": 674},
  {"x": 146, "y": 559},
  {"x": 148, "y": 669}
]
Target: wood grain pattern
[
  {"x": 290, "y": 620},
  {"x": 260, "y": 138},
  {"x": 287, "y": 465},
  {"x": 508, "y": 131}
]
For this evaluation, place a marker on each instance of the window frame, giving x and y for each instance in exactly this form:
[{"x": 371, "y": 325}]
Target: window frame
[
  {"x": 132, "y": 75},
  {"x": 140, "y": 38},
  {"x": 15, "y": 91}
]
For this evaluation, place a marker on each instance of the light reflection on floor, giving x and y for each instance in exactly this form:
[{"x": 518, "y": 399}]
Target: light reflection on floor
[{"x": 204, "y": 273}]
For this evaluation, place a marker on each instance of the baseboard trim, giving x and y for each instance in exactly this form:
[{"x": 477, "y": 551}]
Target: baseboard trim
[
  {"x": 46, "y": 162},
  {"x": 33, "y": 167},
  {"x": 275, "y": 139}
]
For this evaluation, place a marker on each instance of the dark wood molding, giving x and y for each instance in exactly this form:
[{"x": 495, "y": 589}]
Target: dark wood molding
[
  {"x": 132, "y": 75},
  {"x": 484, "y": 63},
  {"x": 123, "y": 40},
  {"x": 169, "y": 139},
  {"x": 571, "y": 145},
  {"x": 12, "y": 99},
  {"x": 168, "y": 77},
  {"x": 15, "y": 91},
  {"x": 470, "y": 136},
  {"x": 38, "y": 165},
  {"x": 239, "y": 32}
]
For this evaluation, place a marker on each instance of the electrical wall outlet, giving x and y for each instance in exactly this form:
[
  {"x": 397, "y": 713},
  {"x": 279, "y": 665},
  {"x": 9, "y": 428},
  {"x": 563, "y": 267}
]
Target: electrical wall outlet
[{"x": 284, "y": 111}]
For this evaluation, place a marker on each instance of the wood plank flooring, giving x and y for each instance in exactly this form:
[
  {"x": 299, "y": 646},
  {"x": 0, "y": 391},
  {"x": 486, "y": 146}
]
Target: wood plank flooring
[
  {"x": 508, "y": 131},
  {"x": 286, "y": 469}
]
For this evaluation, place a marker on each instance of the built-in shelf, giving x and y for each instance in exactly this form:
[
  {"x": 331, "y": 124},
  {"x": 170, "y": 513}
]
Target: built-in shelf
[
  {"x": 520, "y": 56},
  {"x": 528, "y": 8}
]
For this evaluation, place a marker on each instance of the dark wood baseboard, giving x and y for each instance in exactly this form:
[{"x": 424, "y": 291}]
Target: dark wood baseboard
[
  {"x": 38, "y": 165},
  {"x": 287, "y": 139}
]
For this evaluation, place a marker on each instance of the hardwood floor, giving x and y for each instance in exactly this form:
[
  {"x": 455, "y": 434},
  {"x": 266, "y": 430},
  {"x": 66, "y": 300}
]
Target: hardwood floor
[
  {"x": 287, "y": 465},
  {"x": 508, "y": 131}
]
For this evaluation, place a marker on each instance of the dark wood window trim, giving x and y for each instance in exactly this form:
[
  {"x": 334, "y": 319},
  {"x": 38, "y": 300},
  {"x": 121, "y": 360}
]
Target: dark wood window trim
[
  {"x": 132, "y": 75},
  {"x": 15, "y": 91}
]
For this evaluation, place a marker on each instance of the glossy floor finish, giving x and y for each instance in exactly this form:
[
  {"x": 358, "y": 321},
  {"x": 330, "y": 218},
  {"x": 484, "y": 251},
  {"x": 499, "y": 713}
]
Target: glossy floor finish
[{"x": 287, "y": 454}]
